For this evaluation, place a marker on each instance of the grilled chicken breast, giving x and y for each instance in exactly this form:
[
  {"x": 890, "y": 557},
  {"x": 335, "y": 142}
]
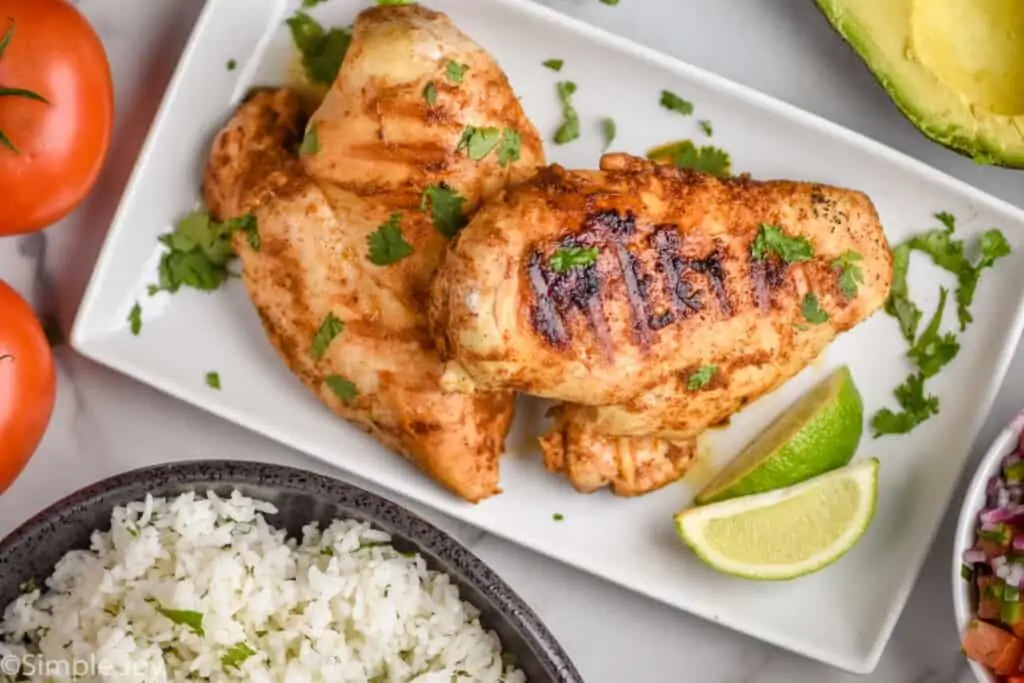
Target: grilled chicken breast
[
  {"x": 654, "y": 301},
  {"x": 352, "y": 229}
]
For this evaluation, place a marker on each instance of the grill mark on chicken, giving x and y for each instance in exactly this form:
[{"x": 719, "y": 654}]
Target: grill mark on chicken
[
  {"x": 544, "y": 317},
  {"x": 711, "y": 268},
  {"x": 766, "y": 276},
  {"x": 636, "y": 291},
  {"x": 673, "y": 267}
]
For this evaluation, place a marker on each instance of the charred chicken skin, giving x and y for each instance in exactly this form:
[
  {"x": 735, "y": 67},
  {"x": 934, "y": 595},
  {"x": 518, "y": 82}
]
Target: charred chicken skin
[
  {"x": 354, "y": 210},
  {"x": 653, "y": 301}
]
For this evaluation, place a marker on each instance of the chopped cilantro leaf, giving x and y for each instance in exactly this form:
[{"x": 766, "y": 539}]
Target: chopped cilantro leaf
[
  {"x": 310, "y": 141},
  {"x": 554, "y": 64},
  {"x": 915, "y": 404},
  {"x": 899, "y": 305},
  {"x": 445, "y": 208},
  {"x": 311, "y": 3},
  {"x": 705, "y": 126},
  {"x": 949, "y": 254},
  {"x": 386, "y": 244},
  {"x": 707, "y": 159},
  {"x": 430, "y": 93},
  {"x": 771, "y": 240},
  {"x": 570, "y": 257},
  {"x": 193, "y": 620},
  {"x": 135, "y": 319},
  {"x": 342, "y": 388},
  {"x": 673, "y": 102},
  {"x": 608, "y": 130},
  {"x": 455, "y": 71},
  {"x": 322, "y": 51},
  {"x": 558, "y": 516},
  {"x": 813, "y": 313},
  {"x": 685, "y": 154},
  {"x": 330, "y": 328},
  {"x": 478, "y": 142},
  {"x": 933, "y": 350},
  {"x": 610, "y": 2},
  {"x": 569, "y": 129},
  {"x": 232, "y": 65},
  {"x": 850, "y": 274},
  {"x": 213, "y": 380},
  {"x": 236, "y": 655},
  {"x": 700, "y": 377},
  {"x": 327, "y": 551},
  {"x": 199, "y": 250},
  {"x": 508, "y": 148}
]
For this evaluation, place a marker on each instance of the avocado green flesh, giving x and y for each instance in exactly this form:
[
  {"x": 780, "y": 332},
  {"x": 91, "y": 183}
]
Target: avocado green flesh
[{"x": 955, "y": 68}]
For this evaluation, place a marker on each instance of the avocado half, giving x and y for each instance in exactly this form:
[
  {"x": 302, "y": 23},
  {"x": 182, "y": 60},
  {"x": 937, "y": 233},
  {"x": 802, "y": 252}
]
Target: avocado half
[{"x": 955, "y": 68}]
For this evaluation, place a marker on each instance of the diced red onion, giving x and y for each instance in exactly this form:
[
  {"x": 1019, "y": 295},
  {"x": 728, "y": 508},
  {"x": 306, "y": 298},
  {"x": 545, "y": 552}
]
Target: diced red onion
[
  {"x": 1011, "y": 459},
  {"x": 1018, "y": 542},
  {"x": 974, "y": 555}
]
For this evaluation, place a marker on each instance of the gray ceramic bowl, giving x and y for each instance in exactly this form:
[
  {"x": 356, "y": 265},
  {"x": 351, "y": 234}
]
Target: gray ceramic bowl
[{"x": 32, "y": 550}]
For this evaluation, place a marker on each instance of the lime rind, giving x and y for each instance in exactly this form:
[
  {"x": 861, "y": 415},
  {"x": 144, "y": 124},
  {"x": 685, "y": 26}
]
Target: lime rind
[
  {"x": 817, "y": 433},
  {"x": 691, "y": 523}
]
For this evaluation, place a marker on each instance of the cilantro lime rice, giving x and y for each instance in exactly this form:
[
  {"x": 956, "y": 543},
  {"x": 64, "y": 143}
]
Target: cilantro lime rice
[{"x": 203, "y": 588}]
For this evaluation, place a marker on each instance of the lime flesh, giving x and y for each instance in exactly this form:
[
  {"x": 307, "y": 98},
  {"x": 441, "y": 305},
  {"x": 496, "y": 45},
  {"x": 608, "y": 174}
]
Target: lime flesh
[
  {"x": 818, "y": 433},
  {"x": 785, "y": 533}
]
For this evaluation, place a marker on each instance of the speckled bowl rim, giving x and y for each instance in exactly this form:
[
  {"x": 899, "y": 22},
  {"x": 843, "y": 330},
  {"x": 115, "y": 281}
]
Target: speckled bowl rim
[
  {"x": 974, "y": 500},
  {"x": 456, "y": 558}
]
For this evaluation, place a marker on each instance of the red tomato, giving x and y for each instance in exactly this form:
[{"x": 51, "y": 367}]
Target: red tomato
[
  {"x": 28, "y": 384},
  {"x": 51, "y": 151}
]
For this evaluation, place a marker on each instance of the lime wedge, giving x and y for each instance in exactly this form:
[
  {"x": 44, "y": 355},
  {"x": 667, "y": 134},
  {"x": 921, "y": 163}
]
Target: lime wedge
[
  {"x": 816, "y": 434},
  {"x": 785, "y": 533}
]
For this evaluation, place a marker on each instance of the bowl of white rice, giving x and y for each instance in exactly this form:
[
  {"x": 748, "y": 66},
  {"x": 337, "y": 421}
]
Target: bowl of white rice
[{"x": 235, "y": 571}]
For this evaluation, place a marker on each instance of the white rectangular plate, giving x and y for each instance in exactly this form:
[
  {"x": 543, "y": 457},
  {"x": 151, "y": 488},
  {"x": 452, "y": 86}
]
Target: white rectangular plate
[{"x": 630, "y": 542}]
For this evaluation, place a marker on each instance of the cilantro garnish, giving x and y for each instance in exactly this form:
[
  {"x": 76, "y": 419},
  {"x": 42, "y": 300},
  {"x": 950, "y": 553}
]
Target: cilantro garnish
[
  {"x": 685, "y": 154},
  {"x": 135, "y": 319},
  {"x": 673, "y": 102},
  {"x": 236, "y": 655},
  {"x": 310, "y": 141},
  {"x": 933, "y": 350},
  {"x": 213, "y": 380},
  {"x": 342, "y": 388},
  {"x": 558, "y": 516},
  {"x": 232, "y": 65},
  {"x": 193, "y": 620},
  {"x": 430, "y": 93},
  {"x": 478, "y": 142},
  {"x": 330, "y": 328},
  {"x": 916, "y": 407},
  {"x": 771, "y": 240},
  {"x": 571, "y": 257},
  {"x": 508, "y": 148},
  {"x": 322, "y": 51},
  {"x": 569, "y": 129},
  {"x": 608, "y": 130},
  {"x": 705, "y": 126},
  {"x": 199, "y": 250},
  {"x": 949, "y": 254},
  {"x": 445, "y": 208},
  {"x": 554, "y": 64},
  {"x": 700, "y": 377},
  {"x": 813, "y": 313},
  {"x": 610, "y": 2},
  {"x": 386, "y": 244},
  {"x": 455, "y": 71},
  {"x": 850, "y": 274}
]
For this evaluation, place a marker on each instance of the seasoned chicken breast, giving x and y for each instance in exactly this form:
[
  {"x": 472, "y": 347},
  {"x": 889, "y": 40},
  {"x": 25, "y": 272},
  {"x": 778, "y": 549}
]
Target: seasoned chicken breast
[
  {"x": 354, "y": 210},
  {"x": 654, "y": 301}
]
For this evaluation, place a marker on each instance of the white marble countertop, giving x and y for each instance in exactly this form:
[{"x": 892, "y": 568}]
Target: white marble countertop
[{"x": 105, "y": 423}]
